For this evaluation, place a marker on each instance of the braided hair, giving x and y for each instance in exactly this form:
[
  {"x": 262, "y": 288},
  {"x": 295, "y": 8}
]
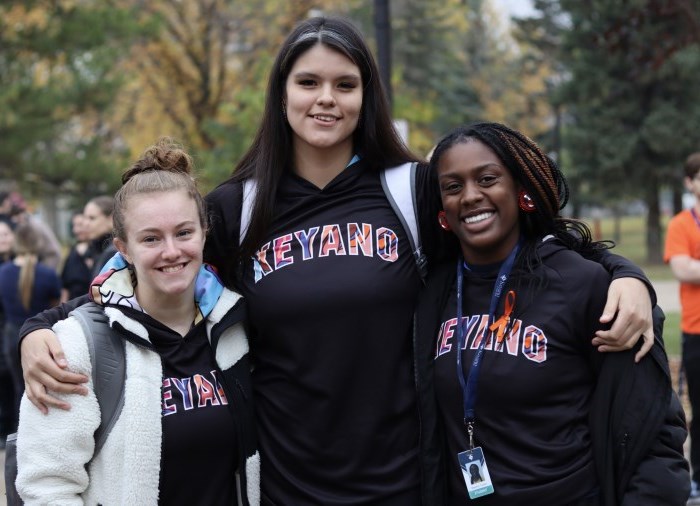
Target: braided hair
[{"x": 539, "y": 176}]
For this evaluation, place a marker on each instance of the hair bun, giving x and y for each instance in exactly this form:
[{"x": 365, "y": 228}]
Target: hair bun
[{"x": 166, "y": 155}]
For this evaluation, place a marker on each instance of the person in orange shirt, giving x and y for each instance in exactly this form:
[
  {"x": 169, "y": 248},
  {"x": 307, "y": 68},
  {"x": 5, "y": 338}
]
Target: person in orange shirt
[{"x": 682, "y": 253}]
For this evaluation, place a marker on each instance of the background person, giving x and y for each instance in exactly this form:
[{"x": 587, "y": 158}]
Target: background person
[
  {"x": 76, "y": 273},
  {"x": 320, "y": 309},
  {"x": 14, "y": 207},
  {"x": 682, "y": 252},
  {"x": 97, "y": 217},
  {"x": 185, "y": 427},
  {"x": 27, "y": 287},
  {"x": 506, "y": 325},
  {"x": 7, "y": 401}
]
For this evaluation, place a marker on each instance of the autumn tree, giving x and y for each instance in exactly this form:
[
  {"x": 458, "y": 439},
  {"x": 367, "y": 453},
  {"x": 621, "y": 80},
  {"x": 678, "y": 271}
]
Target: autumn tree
[
  {"x": 633, "y": 96},
  {"x": 202, "y": 78},
  {"x": 57, "y": 84}
]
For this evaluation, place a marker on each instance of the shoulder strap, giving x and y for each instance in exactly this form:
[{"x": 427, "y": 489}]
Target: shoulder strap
[
  {"x": 399, "y": 184},
  {"x": 250, "y": 187},
  {"x": 108, "y": 359}
]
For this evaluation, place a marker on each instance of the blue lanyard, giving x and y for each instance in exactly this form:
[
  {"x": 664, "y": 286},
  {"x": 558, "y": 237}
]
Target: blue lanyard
[{"x": 469, "y": 385}]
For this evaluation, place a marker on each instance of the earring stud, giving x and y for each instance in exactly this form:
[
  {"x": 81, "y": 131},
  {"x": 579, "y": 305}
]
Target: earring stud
[
  {"x": 525, "y": 202},
  {"x": 442, "y": 220}
]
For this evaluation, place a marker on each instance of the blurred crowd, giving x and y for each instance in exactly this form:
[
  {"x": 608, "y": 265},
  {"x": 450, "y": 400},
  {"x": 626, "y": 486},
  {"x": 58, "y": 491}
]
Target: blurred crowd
[{"x": 36, "y": 274}]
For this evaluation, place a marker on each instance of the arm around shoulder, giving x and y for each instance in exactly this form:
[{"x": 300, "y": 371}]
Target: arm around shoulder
[
  {"x": 53, "y": 449},
  {"x": 47, "y": 318}
]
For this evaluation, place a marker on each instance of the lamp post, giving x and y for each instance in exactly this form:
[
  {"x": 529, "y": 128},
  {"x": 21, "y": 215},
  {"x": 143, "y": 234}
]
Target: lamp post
[{"x": 382, "y": 28}]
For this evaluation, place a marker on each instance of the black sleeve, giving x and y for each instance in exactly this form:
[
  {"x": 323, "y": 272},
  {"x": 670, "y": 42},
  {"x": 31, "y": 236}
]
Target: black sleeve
[
  {"x": 224, "y": 213},
  {"x": 664, "y": 464},
  {"x": 663, "y": 476},
  {"x": 620, "y": 267},
  {"x": 638, "y": 429},
  {"x": 47, "y": 318}
]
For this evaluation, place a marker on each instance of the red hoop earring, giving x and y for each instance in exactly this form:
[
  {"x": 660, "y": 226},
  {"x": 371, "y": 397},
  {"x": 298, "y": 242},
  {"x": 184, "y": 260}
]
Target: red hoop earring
[
  {"x": 442, "y": 220},
  {"x": 525, "y": 202}
]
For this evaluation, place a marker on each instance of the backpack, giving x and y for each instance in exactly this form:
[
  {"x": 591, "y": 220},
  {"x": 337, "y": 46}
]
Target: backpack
[
  {"x": 399, "y": 185},
  {"x": 107, "y": 355}
]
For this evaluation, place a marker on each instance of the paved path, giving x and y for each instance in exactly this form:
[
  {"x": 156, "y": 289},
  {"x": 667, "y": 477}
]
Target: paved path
[{"x": 667, "y": 295}]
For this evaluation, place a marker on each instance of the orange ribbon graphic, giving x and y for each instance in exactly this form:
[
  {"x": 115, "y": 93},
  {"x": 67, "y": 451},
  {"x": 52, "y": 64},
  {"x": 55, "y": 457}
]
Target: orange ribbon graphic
[{"x": 503, "y": 322}]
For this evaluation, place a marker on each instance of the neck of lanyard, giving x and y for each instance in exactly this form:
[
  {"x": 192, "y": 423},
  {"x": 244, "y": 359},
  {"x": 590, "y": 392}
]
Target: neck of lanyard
[
  {"x": 695, "y": 216},
  {"x": 469, "y": 384}
]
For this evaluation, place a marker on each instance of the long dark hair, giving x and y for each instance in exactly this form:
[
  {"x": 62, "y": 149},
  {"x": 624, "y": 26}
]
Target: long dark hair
[
  {"x": 541, "y": 178},
  {"x": 271, "y": 153}
]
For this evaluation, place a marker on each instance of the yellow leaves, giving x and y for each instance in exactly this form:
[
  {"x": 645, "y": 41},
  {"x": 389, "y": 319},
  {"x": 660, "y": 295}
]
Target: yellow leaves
[{"x": 18, "y": 18}]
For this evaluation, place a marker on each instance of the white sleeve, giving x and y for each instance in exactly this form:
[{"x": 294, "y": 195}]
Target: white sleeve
[{"x": 53, "y": 449}]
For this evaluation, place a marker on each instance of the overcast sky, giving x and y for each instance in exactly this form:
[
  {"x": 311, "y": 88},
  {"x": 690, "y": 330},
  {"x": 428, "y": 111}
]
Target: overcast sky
[{"x": 515, "y": 7}]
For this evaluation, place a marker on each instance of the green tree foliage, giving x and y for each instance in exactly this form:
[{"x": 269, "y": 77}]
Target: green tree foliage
[
  {"x": 632, "y": 96},
  {"x": 86, "y": 85},
  {"x": 456, "y": 62},
  {"x": 57, "y": 85}
]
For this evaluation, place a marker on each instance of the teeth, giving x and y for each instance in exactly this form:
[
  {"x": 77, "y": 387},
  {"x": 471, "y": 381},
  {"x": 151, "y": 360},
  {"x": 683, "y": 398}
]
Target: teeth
[
  {"x": 324, "y": 118},
  {"x": 174, "y": 268},
  {"x": 478, "y": 217}
]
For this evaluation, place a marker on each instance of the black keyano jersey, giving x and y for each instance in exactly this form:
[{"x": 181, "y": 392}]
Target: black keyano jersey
[
  {"x": 533, "y": 390},
  {"x": 331, "y": 296}
]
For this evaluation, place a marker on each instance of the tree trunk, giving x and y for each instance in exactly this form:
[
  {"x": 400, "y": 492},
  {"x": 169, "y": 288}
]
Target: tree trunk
[
  {"x": 574, "y": 205},
  {"x": 653, "y": 239},
  {"x": 677, "y": 197}
]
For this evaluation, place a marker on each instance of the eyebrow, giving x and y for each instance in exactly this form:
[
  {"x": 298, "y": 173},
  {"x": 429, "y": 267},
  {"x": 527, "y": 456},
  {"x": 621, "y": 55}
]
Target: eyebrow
[
  {"x": 156, "y": 229},
  {"x": 477, "y": 168},
  {"x": 345, "y": 77}
]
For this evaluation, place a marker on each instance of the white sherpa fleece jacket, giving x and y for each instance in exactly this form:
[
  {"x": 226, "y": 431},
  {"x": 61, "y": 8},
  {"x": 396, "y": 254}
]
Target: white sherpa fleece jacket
[{"x": 53, "y": 449}]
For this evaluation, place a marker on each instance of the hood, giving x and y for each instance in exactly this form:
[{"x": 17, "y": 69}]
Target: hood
[{"x": 116, "y": 283}]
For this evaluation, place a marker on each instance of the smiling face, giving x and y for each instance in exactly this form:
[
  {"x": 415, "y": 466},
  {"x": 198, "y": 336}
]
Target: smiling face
[
  {"x": 164, "y": 243},
  {"x": 480, "y": 200},
  {"x": 323, "y": 95}
]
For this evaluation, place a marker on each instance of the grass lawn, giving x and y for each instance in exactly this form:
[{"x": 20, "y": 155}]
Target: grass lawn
[
  {"x": 632, "y": 245},
  {"x": 672, "y": 334}
]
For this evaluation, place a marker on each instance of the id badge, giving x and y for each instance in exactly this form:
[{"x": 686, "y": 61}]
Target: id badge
[{"x": 475, "y": 473}]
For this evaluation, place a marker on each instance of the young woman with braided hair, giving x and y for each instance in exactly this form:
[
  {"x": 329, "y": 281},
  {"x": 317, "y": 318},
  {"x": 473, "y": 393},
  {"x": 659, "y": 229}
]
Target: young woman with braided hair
[{"x": 521, "y": 392}]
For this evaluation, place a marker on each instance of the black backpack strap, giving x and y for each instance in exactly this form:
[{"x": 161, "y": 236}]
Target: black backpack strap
[
  {"x": 399, "y": 184},
  {"x": 108, "y": 358}
]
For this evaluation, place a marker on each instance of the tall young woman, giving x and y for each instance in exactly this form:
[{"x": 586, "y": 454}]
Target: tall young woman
[
  {"x": 331, "y": 322},
  {"x": 522, "y": 394},
  {"x": 185, "y": 429}
]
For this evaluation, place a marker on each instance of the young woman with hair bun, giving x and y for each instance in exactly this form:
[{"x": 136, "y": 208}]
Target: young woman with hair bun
[{"x": 184, "y": 434}]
